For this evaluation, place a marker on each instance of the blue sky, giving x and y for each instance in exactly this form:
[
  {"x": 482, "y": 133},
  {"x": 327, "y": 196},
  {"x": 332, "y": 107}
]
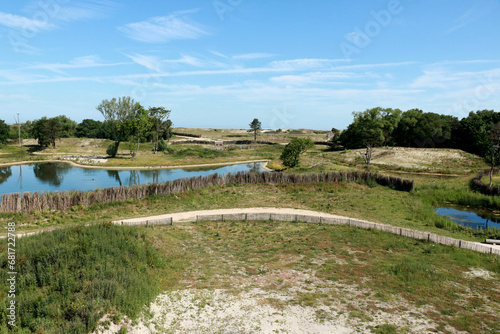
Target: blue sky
[{"x": 221, "y": 63}]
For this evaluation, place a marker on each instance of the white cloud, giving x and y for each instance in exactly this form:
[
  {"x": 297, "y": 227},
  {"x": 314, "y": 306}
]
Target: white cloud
[
  {"x": 473, "y": 14},
  {"x": 304, "y": 64},
  {"x": 450, "y": 80},
  {"x": 163, "y": 29},
  {"x": 78, "y": 62},
  {"x": 256, "y": 55},
  {"x": 23, "y": 23},
  {"x": 83, "y": 11},
  {"x": 187, "y": 60},
  {"x": 328, "y": 78},
  {"x": 151, "y": 62},
  {"x": 86, "y": 61},
  {"x": 219, "y": 54}
]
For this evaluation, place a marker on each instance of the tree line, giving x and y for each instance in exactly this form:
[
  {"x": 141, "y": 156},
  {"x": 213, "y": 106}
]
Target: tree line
[
  {"x": 127, "y": 121},
  {"x": 124, "y": 120},
  {"x": 414, "y": 128}
]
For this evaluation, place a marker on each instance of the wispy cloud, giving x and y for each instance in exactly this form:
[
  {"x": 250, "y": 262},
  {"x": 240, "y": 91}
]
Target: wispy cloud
[
  {"x": 469, "y": 17},
  {"x": 84, "y": 11},
  {"x": 451, "y": 80},
  {"x": 256, "y": 55},
  {"x": 304, "y": 64},
  {"x": 187, "y": 60},
  {"x": 473, "y": 14},
  {"x": 328, "y": 78},
  {"x": 151, "y": 62},
  {"x": 163, "y": 29},
  {"x": 219, "y": 54},
  {"x": 23, "y": 23},
  {"x": 78, "y": 62}
]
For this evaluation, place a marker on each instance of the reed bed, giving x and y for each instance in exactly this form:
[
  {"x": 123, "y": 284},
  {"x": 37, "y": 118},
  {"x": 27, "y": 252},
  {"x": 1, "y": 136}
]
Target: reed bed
[{"x": 32, "y": 202}]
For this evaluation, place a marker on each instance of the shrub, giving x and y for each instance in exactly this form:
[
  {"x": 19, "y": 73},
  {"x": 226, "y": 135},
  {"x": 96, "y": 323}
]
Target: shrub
[
  {"x": 112, "y": 149},
  {"x": 292, "y": 151},
  {"x": 162, "y": 146}
]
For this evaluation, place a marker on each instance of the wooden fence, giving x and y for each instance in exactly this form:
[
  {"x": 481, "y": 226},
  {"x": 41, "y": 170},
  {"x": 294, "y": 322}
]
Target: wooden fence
[
  {"x": 31, "y": 202},
  {"x": 185, "y": 134},
  {"x": 319, "y": 219}
]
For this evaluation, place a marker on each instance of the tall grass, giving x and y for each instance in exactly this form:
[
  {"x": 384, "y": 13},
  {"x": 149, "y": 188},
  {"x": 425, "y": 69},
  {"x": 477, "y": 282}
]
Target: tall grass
[{"x": 69, "y": 278}]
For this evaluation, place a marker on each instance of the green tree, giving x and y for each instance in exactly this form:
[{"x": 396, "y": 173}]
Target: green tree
[
  {"x": 89, "y": 128},
  {"x": 495, "y": 148},
  {"x": 4, "y": 132},
  {"x": 291, "y": 153},
  {"x": 137, "y": 124},
  {"x": 168, "y": 129},
  {"x": 371, "y": 128},
  {"x": 381, "y": 123},
  {"x": 119, "y": 112},
  {"x": 473, "y": 132},
  {"x": 255, "y": 126},
  {"x": 66, "y": 127},
  {"x": 46, "y": 131},
  {"x": 109, "y": 131},
  {"x": 159, "y": 117},
  {"x": 419, "y": 129},
  {"x": 27, "y": 130}
]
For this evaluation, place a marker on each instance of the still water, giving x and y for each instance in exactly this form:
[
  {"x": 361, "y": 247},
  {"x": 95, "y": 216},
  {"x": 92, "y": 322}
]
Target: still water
[
  {"x": 480, "y": 219},
  {"x": 62, "y": 176}
]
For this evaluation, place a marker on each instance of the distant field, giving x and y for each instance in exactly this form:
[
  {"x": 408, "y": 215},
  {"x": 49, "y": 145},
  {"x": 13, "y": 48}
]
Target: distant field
[{"x": 269, "y": 135}]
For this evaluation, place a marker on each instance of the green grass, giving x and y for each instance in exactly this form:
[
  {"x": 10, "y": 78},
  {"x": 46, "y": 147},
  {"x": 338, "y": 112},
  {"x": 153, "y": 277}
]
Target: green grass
[
  {"x": 386, "y": 265},
  {"x": 196, "y": 151},
  {"x": 69, "y": 278},
  {"x": 370, "y": 202},
  {"x": 495, "y": 179}
]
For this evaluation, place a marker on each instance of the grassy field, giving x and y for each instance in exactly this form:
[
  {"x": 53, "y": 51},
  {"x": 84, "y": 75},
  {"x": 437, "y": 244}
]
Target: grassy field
[
  {"x": 381, "y": 283},
  {"x": 360, "y": 274}
]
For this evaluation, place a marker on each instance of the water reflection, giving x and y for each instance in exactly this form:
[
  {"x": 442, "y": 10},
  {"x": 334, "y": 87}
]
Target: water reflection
[
  {"x": 254, "y": 167},
  {"x": 52, "y": 173},
  {"x": 115, "y": 175},
  {"x": 5, "y": 173},
  {"x": 61, "y": 176},
  {"x": 480, "y": 219}
]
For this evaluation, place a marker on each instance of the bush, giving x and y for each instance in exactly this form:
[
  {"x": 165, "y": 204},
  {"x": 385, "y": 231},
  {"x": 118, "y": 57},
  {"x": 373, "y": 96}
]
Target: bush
[
  {"x": 113, "y": 149},
  {"x": 292, "y": 151},
  {"x": 162, "y": 146}
]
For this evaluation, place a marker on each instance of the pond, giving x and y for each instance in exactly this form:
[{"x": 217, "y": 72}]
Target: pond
[
  {"x": 50, "y": 176},
  {"x": 475, "y": 219}
]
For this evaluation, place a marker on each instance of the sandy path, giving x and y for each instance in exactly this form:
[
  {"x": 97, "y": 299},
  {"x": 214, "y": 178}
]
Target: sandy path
[{"x": 191, "y": 215}]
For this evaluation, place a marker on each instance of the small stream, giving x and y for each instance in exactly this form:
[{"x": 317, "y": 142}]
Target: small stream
[{"x": 475, "y": 219}]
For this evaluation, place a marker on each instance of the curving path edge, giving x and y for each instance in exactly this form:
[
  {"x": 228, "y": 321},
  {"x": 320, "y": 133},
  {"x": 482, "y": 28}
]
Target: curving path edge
[{"x": 308, "y": 216}]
